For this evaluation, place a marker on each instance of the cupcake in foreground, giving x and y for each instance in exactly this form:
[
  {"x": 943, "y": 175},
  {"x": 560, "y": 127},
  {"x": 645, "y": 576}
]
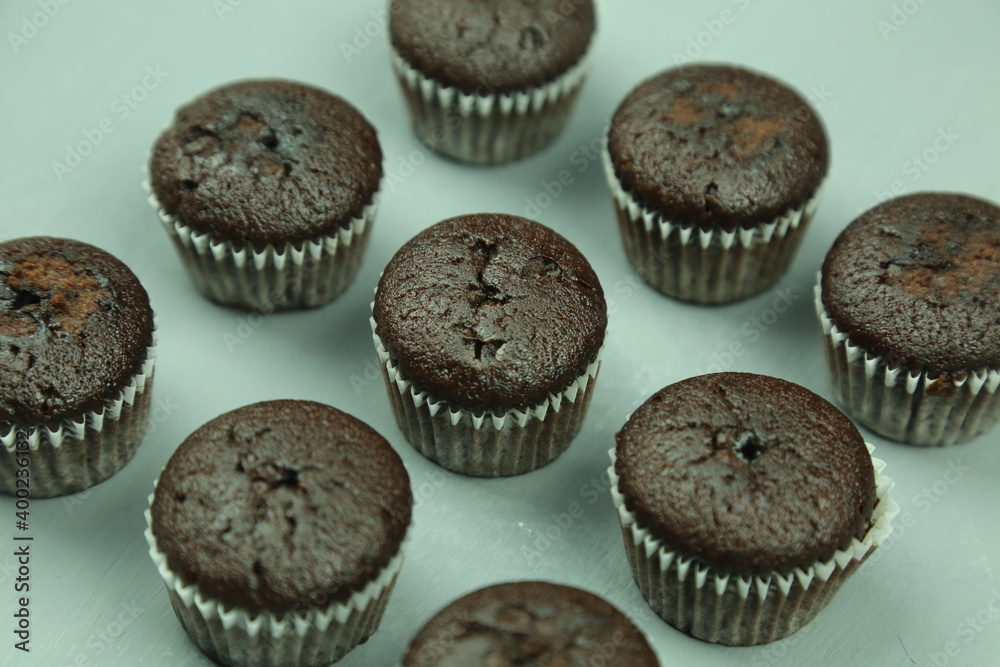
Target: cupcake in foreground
[
  {"x": 714, "y": 172},
  {"x": 909, "y": 302},
  {"x": 489, "y": 329},
  {"x": 529, "y": 623},
  {"x": 490, "y": 82},
  {"x": 745, "y": 503},
  {"x": 76, "y": 365},
  {"x": 277, "y": 529},
  {"x": 268, "y": 190}
]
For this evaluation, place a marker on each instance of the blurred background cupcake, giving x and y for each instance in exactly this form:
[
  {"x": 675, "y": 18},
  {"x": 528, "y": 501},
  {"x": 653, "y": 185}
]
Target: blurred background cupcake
[
  {"x": 268, "y": 190},
  {"x": 909, "y": 303},
  {"x": 490, "y": 82},
  {"x": 714, "y": 172},
  {"x": 530, "y": 623},
  {"x": 489, "y": 329}
]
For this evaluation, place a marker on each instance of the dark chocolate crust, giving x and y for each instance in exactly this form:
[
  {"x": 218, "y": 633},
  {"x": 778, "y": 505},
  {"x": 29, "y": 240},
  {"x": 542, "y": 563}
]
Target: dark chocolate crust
[
  {"x": 916, "y": 280},
  {"x": 487, "y": 46},
  {"x": 490, "y": 312},
  {"x": 75, "y": 325},
  {"x": 718, "y": 147},
  {"x": 282, "y": 505},
  {"x": 746, "y": 472},
  {"x": 266, "y": 162},
  {"x": 529, "y": 623}
]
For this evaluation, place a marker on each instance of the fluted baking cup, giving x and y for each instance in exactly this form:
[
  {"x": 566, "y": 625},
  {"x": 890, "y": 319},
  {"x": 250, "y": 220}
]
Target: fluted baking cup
[
  {"x": 904, "y": 404},
  {"x": 491, "y": 128},
  {"x": 309, "y": 637},
  {"x": 301, "y": 274},
  {"x": 705, "y": 266},
  {"x": 486, "y": 444},
  {"x": 725, "y": 608},
  {"x": 81, "y": 451}
]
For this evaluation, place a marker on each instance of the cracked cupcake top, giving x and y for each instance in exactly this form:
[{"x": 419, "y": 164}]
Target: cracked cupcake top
[
  {"x": 490, "y": 312},
  {"x": 529, "y": 623},
  {"x": 917, "y": 280},
  {"x": 281, "y": 505},
  {"x": 266, "y": 162},
  {"x": 74, "y": 327},
  {"x": 746, "y": 472},
  {"x": 717, "y": 147},
  {"x": 492, "y": 46}
]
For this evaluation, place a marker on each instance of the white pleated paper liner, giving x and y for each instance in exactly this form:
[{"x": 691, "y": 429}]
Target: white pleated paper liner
[
  {"x": 488, "y": 129},
  {"x": 303, "y": 274},
  {"x": 692, "y": 596},
  {"x": 84, "y": 451},
  {"x": 903, "y": 404},
  {"x": 487, "y": 445},
  {"x": 714, "y": 266},
  {"x": 309, "y": 637}
]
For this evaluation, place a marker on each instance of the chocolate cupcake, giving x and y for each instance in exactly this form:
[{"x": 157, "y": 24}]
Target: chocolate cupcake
[
  {"x": 76, "y": 362},
  {"x": 268, "y": 190},
  {"x": 278, "y": 530},
  {"x": 490, "y": 82},
  {"x": 489, "y": 328},
  {"x": 909, "y": 302},
  {"x": 530, "y": 623},
  {"x": 714, "y": 172},
  {"x": 745, "y": 502}
]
